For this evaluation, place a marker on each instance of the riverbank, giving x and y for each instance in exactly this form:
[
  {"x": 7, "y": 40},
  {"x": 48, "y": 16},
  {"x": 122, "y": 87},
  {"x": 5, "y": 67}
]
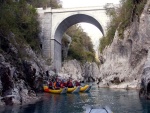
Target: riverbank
[
  {"x": 25, "y": 99},
  {"x": 125, "y": 85}
]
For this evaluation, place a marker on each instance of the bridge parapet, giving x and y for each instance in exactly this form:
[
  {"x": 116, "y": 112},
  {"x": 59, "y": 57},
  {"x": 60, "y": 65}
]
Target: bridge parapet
[
  {"x": 63, "y": 10},
  {"x": 41, "y": 10}
]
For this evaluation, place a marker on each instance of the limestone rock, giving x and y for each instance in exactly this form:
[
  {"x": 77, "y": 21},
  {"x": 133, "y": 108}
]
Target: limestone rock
[
  {"x": 127, "y": 59},
  {"x": 2, "y": 59},
  {"x": 90, "y": 71},
  {"x": 72, "y": 69},
  {"x": 20, "y": 73},
  {"x": 28, "y": 97},
  {"x": 1, "y": 102},
  {"x": 76, "y": 70},
  {"x": 65, "y": 45}
]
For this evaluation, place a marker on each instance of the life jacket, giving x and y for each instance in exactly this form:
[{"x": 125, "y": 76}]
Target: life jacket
[
  {"x": 65, "y": 84},
  {"x": 50, "y": 84},
  {"x": 54, "y": 85},
  {"x": 70, "y": 84},
  {"x": 62, "y": 85},
  {"x": 57, "y": 84},
  {"x": 77, "y": 83}
]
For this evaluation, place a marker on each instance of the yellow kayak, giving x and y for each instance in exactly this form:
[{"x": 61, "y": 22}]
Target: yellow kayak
[
  {"x": 58, "y": 91},
  {"x": 86, "y": 88}
]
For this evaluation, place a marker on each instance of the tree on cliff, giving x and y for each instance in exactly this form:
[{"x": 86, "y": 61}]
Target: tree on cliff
[
  {"x": 45, "y": 3},
  {"x": 19, "y": 19},
  {"x": 120, "y": 19},
  {"x": 81, "y": 47}
]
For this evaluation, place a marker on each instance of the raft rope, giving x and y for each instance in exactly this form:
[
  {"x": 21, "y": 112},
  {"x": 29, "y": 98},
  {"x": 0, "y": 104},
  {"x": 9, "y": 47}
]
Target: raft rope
[
  {"x": 106, "y": 110},
  {"x": 103, "y": 108},
  {"x": 90, "y": 110}
]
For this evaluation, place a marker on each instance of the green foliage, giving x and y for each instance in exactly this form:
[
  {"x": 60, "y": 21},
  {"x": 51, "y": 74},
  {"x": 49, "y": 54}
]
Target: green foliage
[
  {"x": 90, "y": 56},
  {"x": 140, "y": 6},
  {"x": 81, "y": 47},
  {"x": 120, "y": 19},
  {"x": 20, "y": 19},
  {"x": 76, "y": 52},
  {"x": 45, "y": 3},
  {"x": 103, "y": 44}
]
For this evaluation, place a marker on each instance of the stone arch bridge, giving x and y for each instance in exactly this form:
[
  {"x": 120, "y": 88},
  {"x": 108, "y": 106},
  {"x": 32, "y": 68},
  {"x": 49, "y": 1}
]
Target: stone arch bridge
[{"x": 54, "y": 22}]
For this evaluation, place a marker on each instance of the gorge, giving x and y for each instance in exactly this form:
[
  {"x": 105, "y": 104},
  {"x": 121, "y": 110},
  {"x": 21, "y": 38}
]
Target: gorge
[{"x": 123, "y": 64}]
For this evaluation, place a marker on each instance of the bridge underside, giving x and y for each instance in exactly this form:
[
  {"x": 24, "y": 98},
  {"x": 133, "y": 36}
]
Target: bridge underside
[{"x": 62, "y": 27}]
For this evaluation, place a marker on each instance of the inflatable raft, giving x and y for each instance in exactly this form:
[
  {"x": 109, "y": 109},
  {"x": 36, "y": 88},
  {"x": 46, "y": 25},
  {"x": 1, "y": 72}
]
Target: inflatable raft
[
  {"x": 58, "y": 91},
  {"x": 77, "y": 89}
]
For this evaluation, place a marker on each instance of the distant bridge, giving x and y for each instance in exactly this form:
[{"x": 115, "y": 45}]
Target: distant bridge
[{"x": 54, "y": 22}]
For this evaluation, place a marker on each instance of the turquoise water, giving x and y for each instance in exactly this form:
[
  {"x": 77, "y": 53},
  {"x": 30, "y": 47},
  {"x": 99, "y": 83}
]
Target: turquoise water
[{"x": 119, "y": 100}]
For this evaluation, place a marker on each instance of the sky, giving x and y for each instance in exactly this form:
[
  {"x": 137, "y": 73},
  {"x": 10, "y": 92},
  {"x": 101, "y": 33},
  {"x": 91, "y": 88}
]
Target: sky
[{"x": 93, "y": 32}]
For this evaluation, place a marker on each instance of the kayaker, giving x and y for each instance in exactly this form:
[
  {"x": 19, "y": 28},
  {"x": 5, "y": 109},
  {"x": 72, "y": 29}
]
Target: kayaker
[
  {"x": 50, "y": 85},
  {"x": 65, "y": 83},
  {"x": 56, "y": 84},
  {"x": 62, "y": 85},
  {"x": 69, "y": 84},
  {"x": 77, "y": 83}
]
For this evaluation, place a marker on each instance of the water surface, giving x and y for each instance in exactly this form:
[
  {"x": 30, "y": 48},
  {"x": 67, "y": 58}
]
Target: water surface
[{"x": 119, "y": 100}]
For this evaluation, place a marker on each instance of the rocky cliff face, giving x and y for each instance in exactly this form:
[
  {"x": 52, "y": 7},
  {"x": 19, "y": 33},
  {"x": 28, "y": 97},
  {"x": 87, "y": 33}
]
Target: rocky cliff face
[
  {"x": 87, "y": 72},
  {"x": 22, "y": 73},
  {"x": 66, "y": 41},
  {"x": 126, "y": 61}
]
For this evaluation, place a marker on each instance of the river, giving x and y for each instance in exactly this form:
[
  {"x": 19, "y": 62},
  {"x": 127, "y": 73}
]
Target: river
[{"x": 119, "y": 100}]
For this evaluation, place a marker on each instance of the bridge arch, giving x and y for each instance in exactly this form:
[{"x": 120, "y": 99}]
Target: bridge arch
[
  {"x": 54, "y": 22},
  {"x": 72, "y": 20},
  {"x": 60, "y": 30}
]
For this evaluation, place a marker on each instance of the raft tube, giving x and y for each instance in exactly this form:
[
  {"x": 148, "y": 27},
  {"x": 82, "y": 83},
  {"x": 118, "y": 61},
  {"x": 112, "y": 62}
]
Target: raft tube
[
  {"x": 58, "y": 91},
  {"x": 76, "y": 90},
  {"x": 86, "y": 88},
  {"x": 70, "y": 90}
]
